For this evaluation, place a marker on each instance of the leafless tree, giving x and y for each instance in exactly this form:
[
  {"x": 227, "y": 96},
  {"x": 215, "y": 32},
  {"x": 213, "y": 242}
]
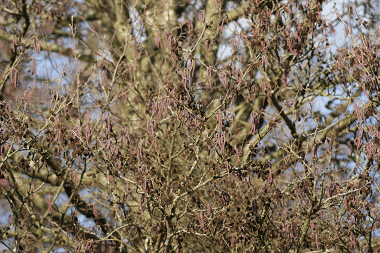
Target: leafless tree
[{"x": 188, "y": 126}]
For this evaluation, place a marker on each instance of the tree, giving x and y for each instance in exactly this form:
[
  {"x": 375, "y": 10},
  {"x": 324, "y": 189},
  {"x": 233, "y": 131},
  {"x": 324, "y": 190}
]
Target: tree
[{"x": 188, "y": 126}]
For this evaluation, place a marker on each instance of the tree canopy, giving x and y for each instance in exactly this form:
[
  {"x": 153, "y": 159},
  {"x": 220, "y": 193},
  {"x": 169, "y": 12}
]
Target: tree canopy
[{"x": 189, "y": 126}]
